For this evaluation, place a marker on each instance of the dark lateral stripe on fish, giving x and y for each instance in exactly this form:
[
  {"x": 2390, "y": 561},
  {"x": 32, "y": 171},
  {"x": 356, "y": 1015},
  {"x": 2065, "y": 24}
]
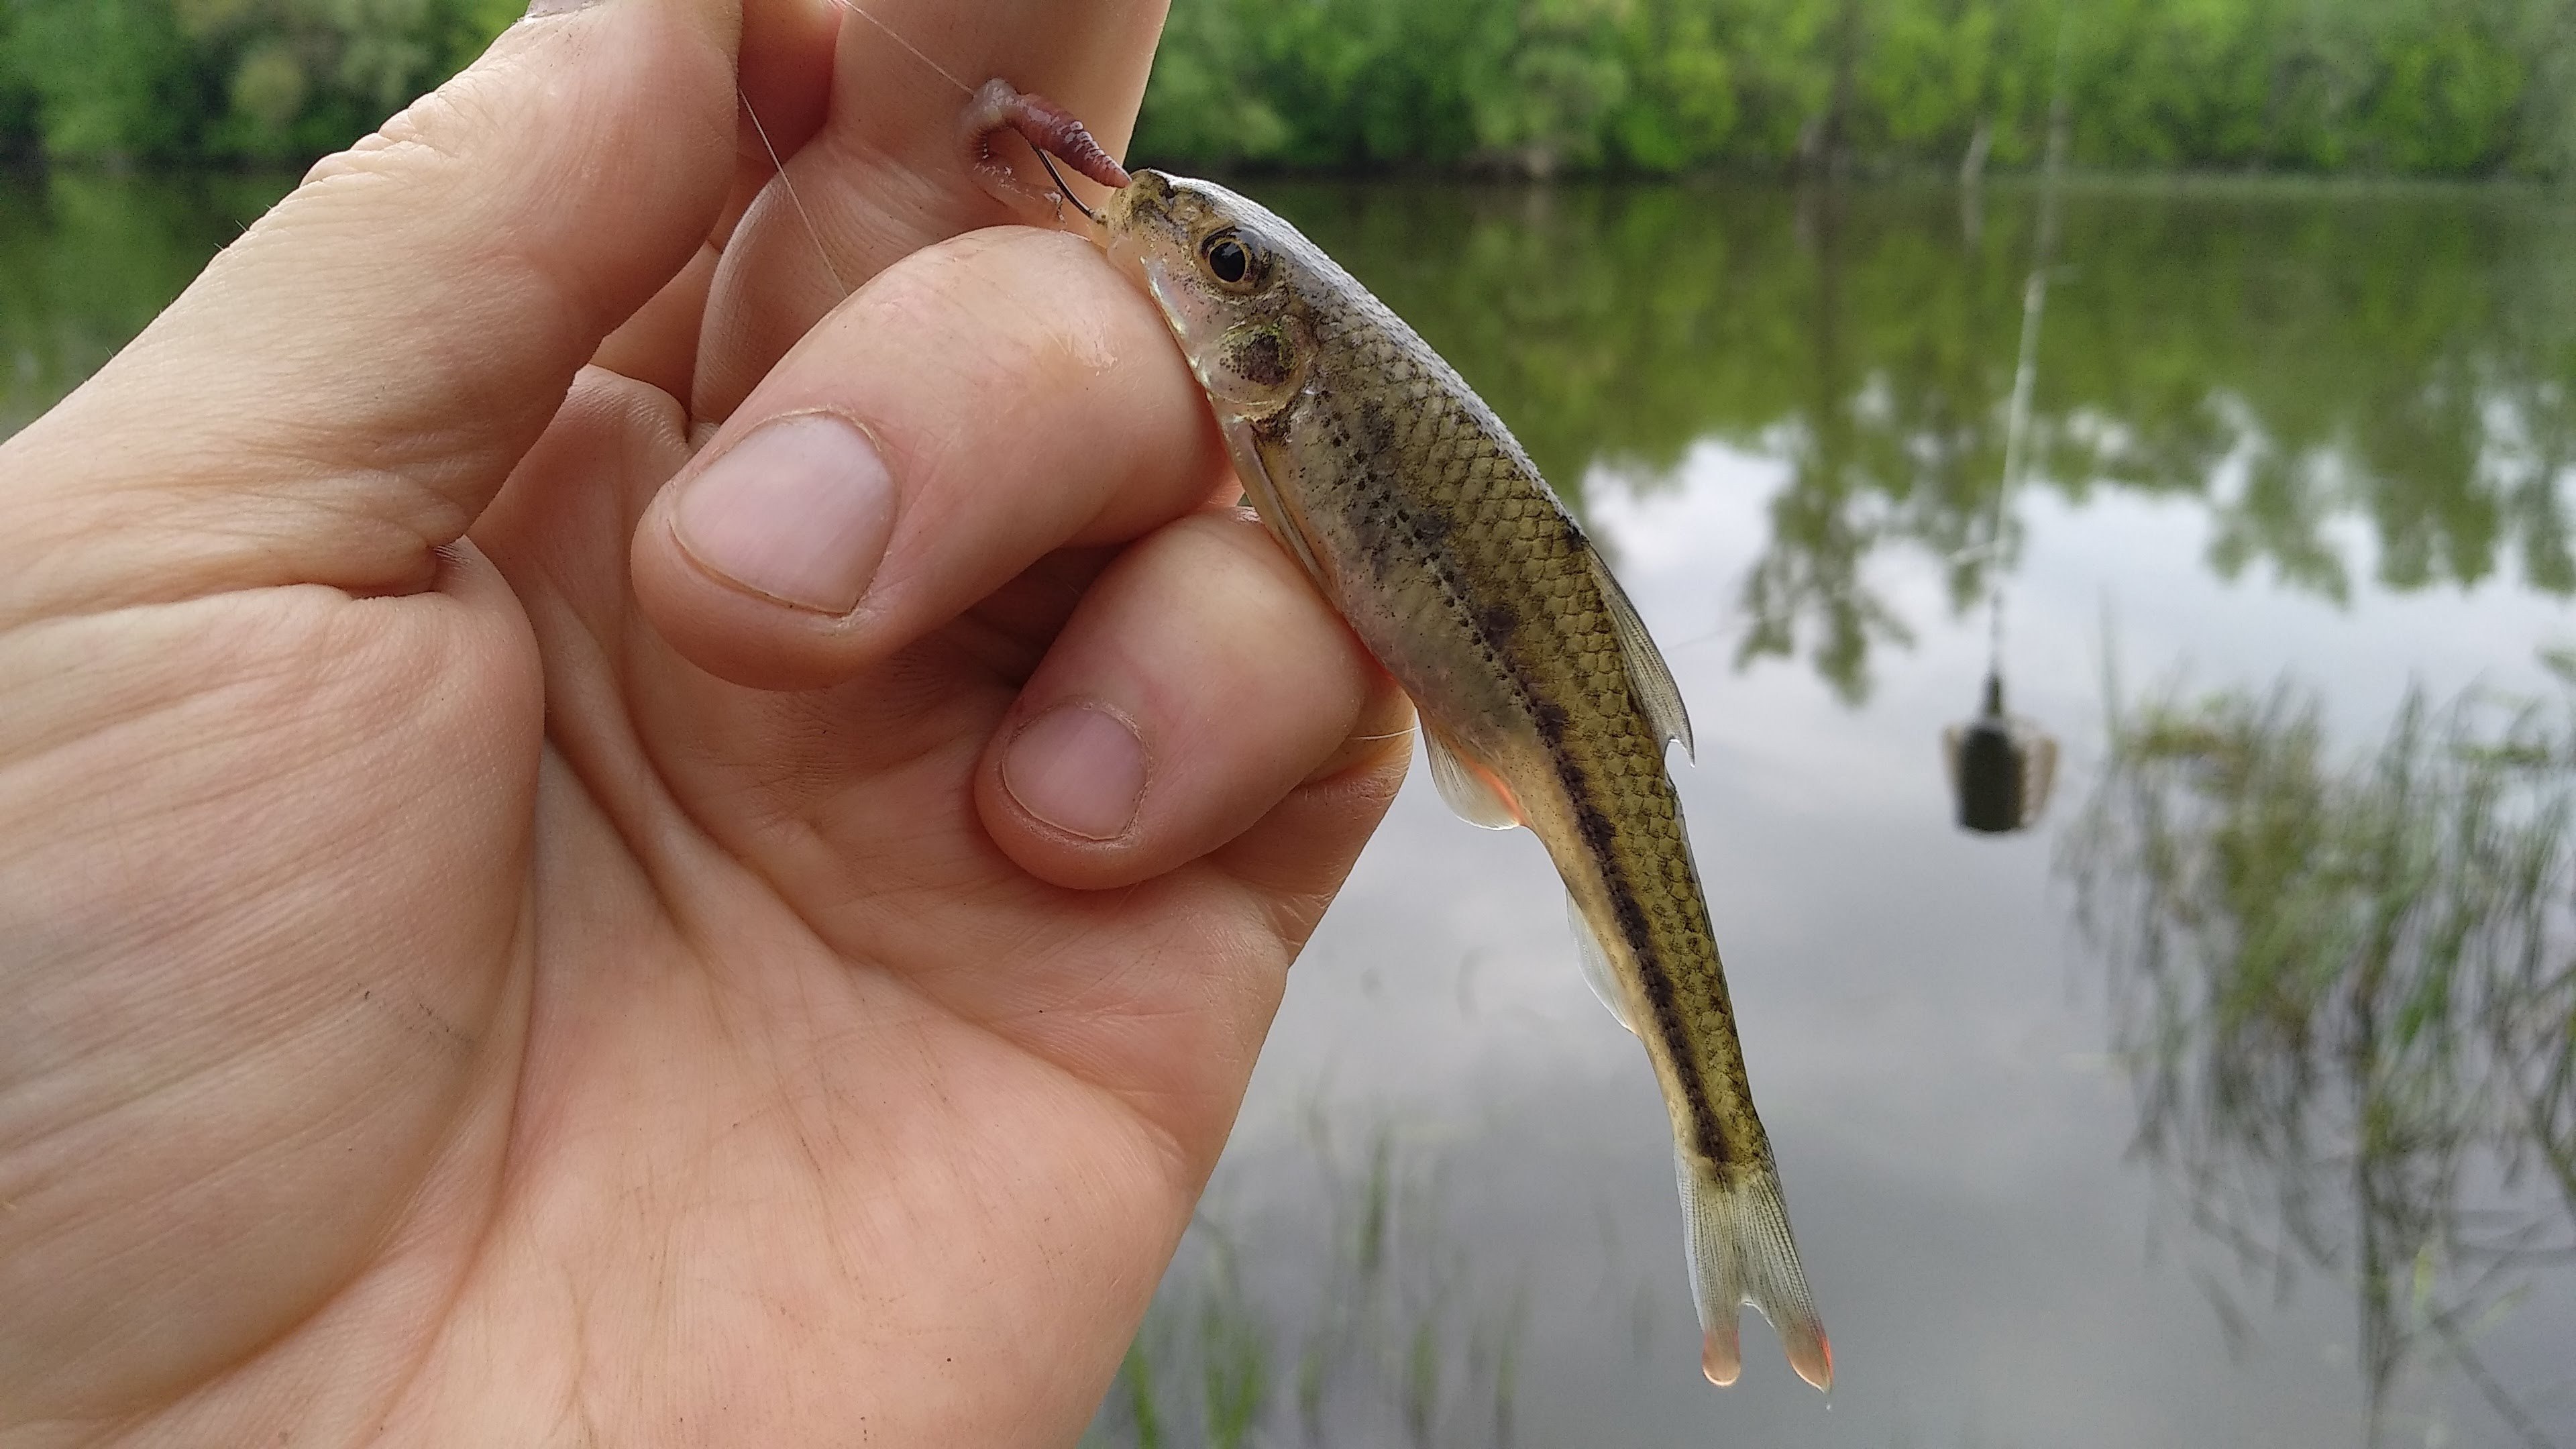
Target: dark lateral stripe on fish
[
  {"x": 1663, "y": 996},
  {"x": 1409, "y": 503},
  {"x": 1493, "y": 627}
]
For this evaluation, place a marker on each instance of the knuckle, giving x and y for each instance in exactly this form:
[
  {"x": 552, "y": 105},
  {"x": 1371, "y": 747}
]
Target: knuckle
[{"x": 1009, "y": 308}]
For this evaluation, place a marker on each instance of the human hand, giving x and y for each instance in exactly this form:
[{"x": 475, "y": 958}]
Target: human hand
[{"x": 477, "y": 967}]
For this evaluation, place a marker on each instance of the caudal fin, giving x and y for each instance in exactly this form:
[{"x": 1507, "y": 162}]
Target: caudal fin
[{"x": 1737, "y": 1230}]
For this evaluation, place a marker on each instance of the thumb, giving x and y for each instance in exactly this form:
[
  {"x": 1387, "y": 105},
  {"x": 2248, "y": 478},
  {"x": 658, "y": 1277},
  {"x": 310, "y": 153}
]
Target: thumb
[{"x": 346, "y": 386}]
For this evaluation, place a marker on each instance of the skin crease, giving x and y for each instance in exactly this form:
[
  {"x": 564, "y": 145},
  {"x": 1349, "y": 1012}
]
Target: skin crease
[{"x": 469, "y": 975}]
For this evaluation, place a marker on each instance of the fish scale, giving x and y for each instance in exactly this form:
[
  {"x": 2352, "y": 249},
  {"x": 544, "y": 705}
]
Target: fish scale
[{"x": 1543, "y": 701}]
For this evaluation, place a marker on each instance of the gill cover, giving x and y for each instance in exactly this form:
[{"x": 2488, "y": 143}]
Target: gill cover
[
  {"x": 1217, "y": 269},
  {"x": 1216, "y": 266}
]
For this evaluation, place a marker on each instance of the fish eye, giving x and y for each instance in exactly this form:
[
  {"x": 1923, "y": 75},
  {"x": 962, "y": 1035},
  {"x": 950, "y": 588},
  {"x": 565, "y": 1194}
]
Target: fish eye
[{"x": 1228, "y": 259}]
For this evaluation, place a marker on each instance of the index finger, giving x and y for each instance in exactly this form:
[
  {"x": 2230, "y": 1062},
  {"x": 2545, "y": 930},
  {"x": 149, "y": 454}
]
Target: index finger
[
  {"x": 982, "y": 404},
  {"x": 887, "y": 175}
]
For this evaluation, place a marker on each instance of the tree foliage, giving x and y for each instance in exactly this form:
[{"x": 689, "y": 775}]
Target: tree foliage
[
  {"x": 2419, "y": 87},
  {"x": 158, "y": 81},
  {"x": 2304, "y": 363}
]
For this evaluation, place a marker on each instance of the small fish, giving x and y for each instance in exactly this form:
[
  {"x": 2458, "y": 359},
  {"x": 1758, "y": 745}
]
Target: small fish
[{"x": 1542, "y": 699}]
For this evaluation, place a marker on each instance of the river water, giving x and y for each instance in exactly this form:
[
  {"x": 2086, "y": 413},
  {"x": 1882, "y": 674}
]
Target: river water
[
  {"x": 2229, "y": 1102},
  {"x": 2296, "y": 454}
]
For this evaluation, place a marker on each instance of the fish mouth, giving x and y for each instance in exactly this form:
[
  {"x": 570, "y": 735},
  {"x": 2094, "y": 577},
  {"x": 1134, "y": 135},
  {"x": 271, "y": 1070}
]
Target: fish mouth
[
  {"x": 1144, "y": 203},
  {"x": 1137, "y": 222}
]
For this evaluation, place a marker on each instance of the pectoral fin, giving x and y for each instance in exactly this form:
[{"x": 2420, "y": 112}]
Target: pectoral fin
[
  {"x": 1254, "y": 472},
  {"x": 1650, "y": 679}
]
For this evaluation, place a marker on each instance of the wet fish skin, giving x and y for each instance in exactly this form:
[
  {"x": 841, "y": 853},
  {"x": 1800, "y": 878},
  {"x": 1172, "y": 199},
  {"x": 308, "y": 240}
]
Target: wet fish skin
[{"x": 1543, "y": 701}]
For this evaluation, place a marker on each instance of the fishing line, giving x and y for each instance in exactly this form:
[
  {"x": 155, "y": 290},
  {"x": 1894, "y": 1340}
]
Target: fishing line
[
  {"x": 2034, "y": 302},
  {"x": 798, "y": 201},
  {"x": 897, "y": 37},
  {"x": 1063, "y": 192},
  {"x": 779, "y": 163}
]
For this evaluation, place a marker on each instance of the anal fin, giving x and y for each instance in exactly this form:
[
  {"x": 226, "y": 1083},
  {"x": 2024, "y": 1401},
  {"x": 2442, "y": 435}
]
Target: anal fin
[{"x": 1596, "y": 965}]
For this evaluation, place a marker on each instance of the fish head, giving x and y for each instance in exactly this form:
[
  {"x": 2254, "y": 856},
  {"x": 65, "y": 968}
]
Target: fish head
[{"x": 1230, "y": 278}]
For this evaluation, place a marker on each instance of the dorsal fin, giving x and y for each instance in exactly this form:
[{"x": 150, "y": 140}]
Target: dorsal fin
[{"x": 1649, "y": 678}]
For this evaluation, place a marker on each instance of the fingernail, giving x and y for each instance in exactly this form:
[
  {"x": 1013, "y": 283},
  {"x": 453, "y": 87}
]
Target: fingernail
[
  {"x": 539, "y": 9},
  {"x": 799, "y": 510},
  {"x": 1079, "y": 769}
]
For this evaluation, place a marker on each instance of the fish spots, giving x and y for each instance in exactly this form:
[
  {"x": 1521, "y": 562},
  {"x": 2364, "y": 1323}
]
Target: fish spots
[
  {"x": 1454, "y": 530},
  {"x": 1258, "y": 355},
  {"x": 1377, "y": 428},
  {"x": 1601, "y": 837}
]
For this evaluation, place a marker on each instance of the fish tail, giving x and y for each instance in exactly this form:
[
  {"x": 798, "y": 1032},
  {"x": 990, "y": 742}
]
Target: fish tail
[{"x": 1737, "y": 1230}]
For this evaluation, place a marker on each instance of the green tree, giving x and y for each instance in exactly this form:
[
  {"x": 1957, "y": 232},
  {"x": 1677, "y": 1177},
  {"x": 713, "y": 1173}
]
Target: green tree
[
  {"x": 226, "y": 80},
  {"x": 113, "y": 80},
  {"x": 2416, "y": 87}
]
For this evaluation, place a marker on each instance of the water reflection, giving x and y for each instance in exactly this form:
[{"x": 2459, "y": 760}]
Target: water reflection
[
  {"x": 2332, "y": 374},
  {"x": 2002, "y": 768},
  {"x": 2345, "y": 994},
  {"x": 1388, "y": 1334},
  {"x": 2253, "y": 404},
  {"x": 2309, "y": 364},
  {"x": 86, "y": 260}
]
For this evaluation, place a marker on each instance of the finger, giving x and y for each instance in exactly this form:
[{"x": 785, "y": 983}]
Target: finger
[
  {"x": 976, "y": 408},
  {"x": 887, "y": 173},
  {"x": 1201, "y": 679},
  {"x": 341, "y": 391},
  {"x": 784, "y": 79},
  {"x": 658, "y": 343},
  {"x": 1296, "y": 858}
]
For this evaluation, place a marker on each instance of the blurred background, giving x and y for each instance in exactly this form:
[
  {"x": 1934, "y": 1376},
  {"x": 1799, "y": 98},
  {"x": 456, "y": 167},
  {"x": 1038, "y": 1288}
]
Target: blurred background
[
  {"x": 2101, "y": 476},
  {"x": 2458, "y": 88}
]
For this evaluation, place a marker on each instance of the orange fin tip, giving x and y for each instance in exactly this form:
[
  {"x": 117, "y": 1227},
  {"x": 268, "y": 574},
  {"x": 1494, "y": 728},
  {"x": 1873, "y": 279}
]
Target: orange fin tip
[
  {"x": 1812, "y": 1355},
  {"x": 1720, "y": 1356}
]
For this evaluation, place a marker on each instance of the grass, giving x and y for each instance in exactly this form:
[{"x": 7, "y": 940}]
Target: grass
[
  {"x": 2344, "y": 989},
  {"x": 1370, "y": 1329}
]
